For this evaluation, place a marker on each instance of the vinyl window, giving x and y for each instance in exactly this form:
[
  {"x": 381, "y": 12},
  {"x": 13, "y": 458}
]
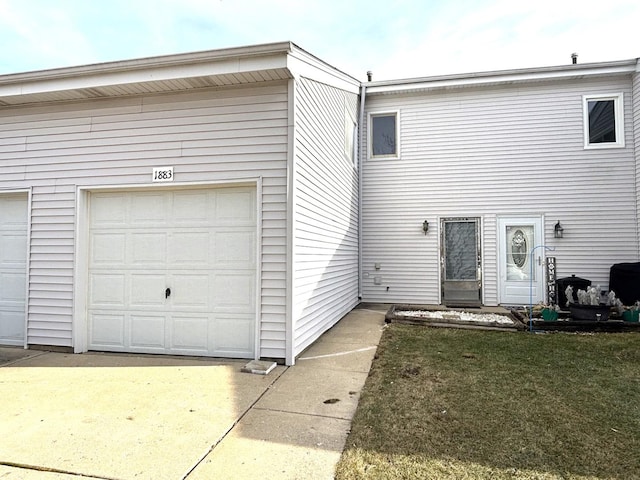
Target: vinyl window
[
  {"x": 603, "y": 121},
  {"x": 383, "y": 135}
]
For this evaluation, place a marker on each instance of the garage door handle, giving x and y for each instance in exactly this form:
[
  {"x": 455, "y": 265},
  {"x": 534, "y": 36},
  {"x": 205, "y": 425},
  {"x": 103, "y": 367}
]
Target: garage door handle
[{"x": 167, "y": 292}]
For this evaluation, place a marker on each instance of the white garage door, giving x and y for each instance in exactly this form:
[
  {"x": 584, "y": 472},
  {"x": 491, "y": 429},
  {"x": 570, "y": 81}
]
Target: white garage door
[
  {"x": 13, "y": 261},
  {"x": 173, "y": 272}
]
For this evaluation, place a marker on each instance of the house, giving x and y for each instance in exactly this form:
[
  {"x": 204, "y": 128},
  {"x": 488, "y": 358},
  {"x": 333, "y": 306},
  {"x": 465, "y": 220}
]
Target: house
[
  {"x": 225, "y": 203},
  {"x": 467, "y": 177},
  {"x": 198, "y": 204}
]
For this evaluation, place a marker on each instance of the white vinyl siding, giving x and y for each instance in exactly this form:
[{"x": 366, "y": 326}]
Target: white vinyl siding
[
  {"x": 509, "y": 150},
  {"x": 220, "y": 135},
  {"x": 325, "y": 228}
]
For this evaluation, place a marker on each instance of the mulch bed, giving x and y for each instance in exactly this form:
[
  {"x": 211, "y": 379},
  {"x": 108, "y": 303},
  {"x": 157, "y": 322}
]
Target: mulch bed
[{"x": 570, "y": 325}]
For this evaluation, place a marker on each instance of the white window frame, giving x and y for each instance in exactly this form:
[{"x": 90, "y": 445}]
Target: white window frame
[
  {"x": 618, "y": 107},
  {"x": 385, "y": 113}
]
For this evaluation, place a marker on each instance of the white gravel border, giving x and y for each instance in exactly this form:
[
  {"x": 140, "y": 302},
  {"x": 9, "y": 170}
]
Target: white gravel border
[{"x": 489, "y": 318}]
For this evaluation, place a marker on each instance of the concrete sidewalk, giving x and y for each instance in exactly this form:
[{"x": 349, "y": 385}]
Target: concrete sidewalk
[{"x": 113, "y": 416}]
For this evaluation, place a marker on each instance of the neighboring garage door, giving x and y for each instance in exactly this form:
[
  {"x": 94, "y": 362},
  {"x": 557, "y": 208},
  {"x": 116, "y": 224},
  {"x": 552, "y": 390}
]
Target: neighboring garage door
[
  {"x": 173, "y": 272},
  {"x": 13, "y": 268}
]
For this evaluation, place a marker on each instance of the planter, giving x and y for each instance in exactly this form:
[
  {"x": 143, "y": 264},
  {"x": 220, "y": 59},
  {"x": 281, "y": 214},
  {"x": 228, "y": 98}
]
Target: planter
[
  {"x": 549, "y": 315},
  {"x": 591, "y": 313},
  {"x": 631, "y": 315}
]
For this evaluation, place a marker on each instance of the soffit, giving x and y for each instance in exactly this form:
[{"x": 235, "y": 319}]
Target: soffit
[{"x": 175, "y": 73}]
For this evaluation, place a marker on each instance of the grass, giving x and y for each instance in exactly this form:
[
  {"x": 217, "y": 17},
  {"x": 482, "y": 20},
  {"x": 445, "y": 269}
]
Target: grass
[{"x": 460, "y": 404}]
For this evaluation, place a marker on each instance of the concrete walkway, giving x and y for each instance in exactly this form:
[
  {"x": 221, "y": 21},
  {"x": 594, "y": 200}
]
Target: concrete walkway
[{"x": 111, "y": 416}]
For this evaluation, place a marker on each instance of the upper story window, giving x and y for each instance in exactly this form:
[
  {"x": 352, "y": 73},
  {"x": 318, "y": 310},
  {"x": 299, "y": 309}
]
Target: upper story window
[
  {"x": 383, "y": 135},
  {"x": 603, "y": 121}
]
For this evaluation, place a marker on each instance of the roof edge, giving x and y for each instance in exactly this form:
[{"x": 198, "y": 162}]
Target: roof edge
[
  {"x": 305, "y": 64},
  {"x": 160, "y": 61},
  {"x": 619, "y": 67}
]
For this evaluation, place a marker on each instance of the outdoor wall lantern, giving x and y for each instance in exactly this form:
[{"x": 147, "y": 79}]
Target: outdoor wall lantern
[
  {"x": 558, "y": 231},
  {"x": 425, "y": 226}
]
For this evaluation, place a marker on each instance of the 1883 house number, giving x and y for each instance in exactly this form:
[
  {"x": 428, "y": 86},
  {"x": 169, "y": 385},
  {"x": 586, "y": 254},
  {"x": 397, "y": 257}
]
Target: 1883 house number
[{"x": 163, "y": 174}]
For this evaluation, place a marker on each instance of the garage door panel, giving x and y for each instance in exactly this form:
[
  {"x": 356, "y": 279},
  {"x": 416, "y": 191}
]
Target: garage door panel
[
  {"x": 11, "y": 325},
  {"x": 108, "y": 249},
  {"x": 108, "y": 210},
  {"x": 235, "y": 207},
  {"x": 12, "y": 286},
  {"x": 234, "y": 291},
  {"x": 107, "y": 330},
  {"x": 148, "y": 209},
  {"x": 188, "y": 249},
  {"x": 234, "y": 335},
  {"x": 148, "y": 289},
  {"x": 188, "y": 290},
  {"x": 148, "y": 249},
  {"x": 190, "y": 333},
  {"x": 107, "y": 289},
  {"x": 13, "y": 249},
  {"x": 14, "y": 210},
  {"x": 191, "y": 208},
  {"x": 148, "y": 331},
  {"x": 235, "y": 249}
]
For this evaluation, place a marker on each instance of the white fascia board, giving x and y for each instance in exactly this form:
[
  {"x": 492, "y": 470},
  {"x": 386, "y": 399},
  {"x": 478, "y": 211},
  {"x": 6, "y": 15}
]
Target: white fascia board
[
  {"x": 147, "y": 70},
  {"x": 303, "y": 64},
  {"x": 503, "y": 77}
]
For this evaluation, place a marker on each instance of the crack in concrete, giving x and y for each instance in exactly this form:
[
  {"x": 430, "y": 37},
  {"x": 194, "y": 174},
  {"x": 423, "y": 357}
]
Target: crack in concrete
[
  {"x": 36, "y": 468},
  {"x": 233, "y": 425}
]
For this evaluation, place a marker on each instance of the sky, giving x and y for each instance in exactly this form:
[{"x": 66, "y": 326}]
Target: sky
[{"x": 393, "y": 39}]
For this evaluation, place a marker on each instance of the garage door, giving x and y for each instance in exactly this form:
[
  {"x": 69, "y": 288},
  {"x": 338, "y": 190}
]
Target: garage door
[
  {"x": 13, "y": 261},
  {"x": 173, "y": 272}
]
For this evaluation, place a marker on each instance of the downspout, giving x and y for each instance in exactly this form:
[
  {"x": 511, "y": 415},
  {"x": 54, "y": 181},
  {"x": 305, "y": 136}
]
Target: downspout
[{"x": 361, "y": 153}]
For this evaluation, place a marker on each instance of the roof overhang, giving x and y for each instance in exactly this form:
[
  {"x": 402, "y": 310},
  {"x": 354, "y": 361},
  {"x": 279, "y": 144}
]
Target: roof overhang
[
  {"x": 171, "y": 73},
  {"x": 505, "y": 77}
]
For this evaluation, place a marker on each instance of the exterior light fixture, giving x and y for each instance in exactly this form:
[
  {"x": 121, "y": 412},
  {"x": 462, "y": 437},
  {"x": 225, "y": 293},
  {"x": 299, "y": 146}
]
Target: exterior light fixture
[
  {"x": 558, "y": 231},
  {"x": 425, "y": 226}
]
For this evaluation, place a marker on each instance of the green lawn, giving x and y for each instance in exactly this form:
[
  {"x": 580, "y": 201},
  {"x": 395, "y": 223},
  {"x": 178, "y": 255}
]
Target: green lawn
[{"x": 461, "y": 404}]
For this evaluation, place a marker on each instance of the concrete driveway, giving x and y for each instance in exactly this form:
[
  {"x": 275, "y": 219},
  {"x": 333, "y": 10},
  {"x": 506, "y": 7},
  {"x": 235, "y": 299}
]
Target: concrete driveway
[{"x": 114, "y": 416}]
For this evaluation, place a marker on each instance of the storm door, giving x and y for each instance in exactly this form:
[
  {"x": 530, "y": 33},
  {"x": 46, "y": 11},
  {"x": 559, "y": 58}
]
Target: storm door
[
  {"x": 521, "y": 273},
  {"x": 461, "y": 262}
]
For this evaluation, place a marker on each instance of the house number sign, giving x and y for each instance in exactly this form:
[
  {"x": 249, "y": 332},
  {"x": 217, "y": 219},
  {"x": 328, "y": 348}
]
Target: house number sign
[{"x": 163, "y": 174}]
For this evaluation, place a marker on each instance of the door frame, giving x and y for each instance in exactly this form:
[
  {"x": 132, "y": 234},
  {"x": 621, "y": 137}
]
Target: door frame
[
  {"x": 28, "y": 193},
  {"x": 80, "y": 324},
  {"x": 481, "y": 252},
  {"x": 537, "y": 219}
]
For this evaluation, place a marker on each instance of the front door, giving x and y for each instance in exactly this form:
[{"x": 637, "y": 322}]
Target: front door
[
  {"x": 521, "y": 274},
  {"x": 461, "y": 262}
]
